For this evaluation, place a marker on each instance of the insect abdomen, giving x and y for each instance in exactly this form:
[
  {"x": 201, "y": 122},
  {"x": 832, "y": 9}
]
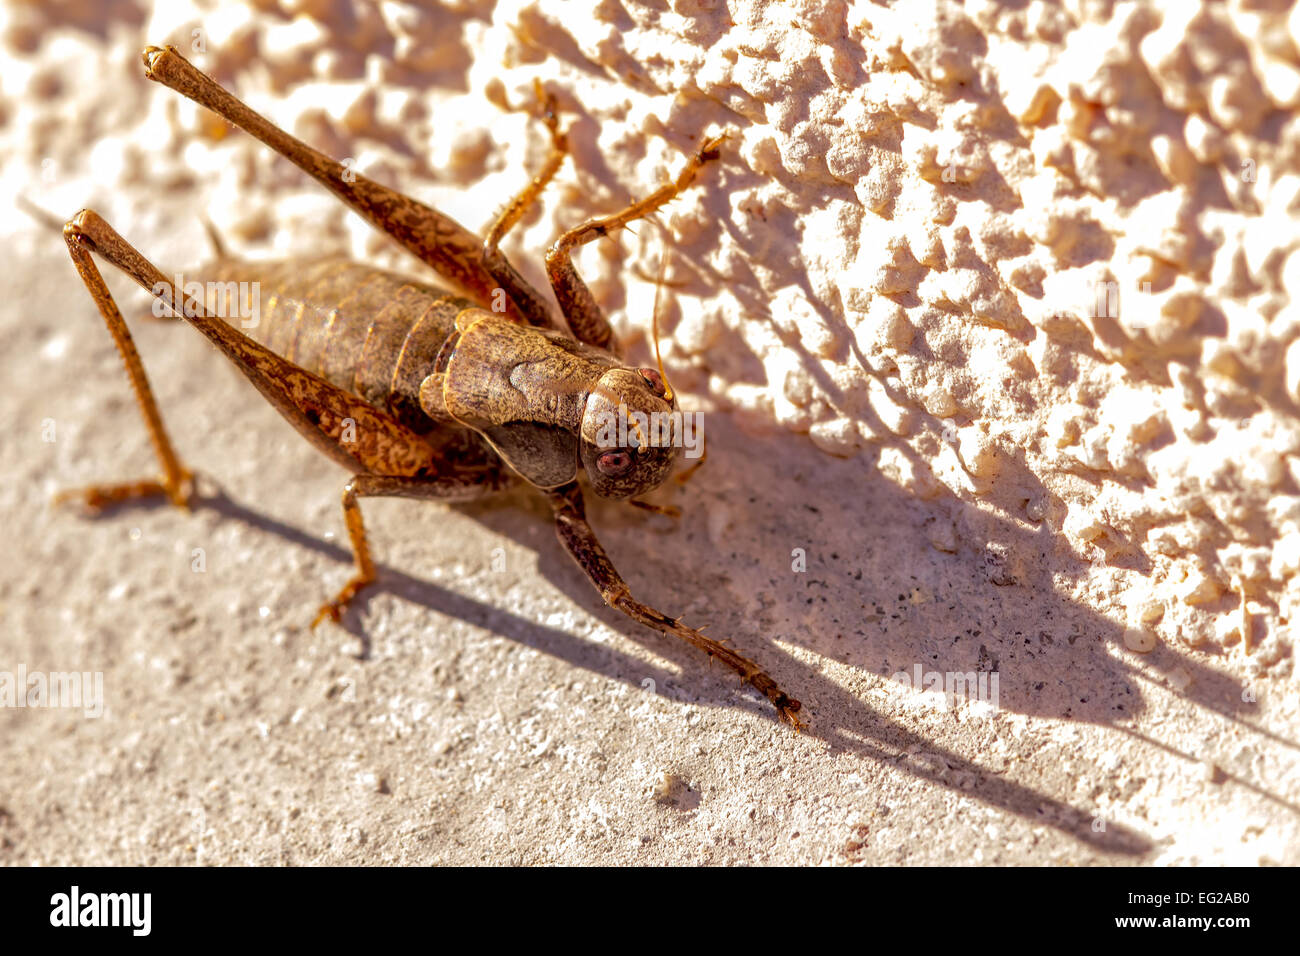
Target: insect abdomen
[{"x": 374, "y": 333}]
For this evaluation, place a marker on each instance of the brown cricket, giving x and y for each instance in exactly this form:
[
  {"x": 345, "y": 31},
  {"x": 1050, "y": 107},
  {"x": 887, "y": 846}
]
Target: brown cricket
[{"x": 418, "y": 392}]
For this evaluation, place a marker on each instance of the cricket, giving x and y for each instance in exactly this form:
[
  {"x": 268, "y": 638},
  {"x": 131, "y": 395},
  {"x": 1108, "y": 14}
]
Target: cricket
[{"x": 419, "y": 392}]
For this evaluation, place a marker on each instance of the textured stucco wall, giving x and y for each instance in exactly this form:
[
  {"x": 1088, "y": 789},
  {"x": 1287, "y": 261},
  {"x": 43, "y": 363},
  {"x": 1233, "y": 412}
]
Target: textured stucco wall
[{"x": 1022, "y": 273}]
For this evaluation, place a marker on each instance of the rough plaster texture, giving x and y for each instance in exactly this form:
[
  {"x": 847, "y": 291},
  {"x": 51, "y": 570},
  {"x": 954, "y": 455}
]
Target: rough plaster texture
[{"x": 993, "y": 311}]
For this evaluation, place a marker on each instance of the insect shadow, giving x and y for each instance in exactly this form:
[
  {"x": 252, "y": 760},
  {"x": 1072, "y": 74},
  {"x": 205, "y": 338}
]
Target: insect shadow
[{"x": 863, "y": 550}]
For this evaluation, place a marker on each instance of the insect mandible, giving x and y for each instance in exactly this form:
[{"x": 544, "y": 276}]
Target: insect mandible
[{"x": 418, "y": 392}]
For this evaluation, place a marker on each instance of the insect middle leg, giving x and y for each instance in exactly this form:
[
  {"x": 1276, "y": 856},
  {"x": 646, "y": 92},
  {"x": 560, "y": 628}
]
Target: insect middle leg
[
  {"x": 452, "y": 485},
  {"x": 580, "y": 540},
  {"x": 530, "y": 301}
]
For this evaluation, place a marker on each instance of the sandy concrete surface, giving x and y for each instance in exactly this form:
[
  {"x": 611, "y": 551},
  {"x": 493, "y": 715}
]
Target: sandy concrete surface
[{"x": 931, "y": 452}]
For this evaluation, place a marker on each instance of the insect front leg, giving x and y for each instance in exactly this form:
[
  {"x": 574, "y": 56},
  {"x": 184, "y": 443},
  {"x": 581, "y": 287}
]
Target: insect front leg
[
  {"x": 580, "y": 540},
  {"x": 452, "y": 485},
  {"x": 585, "y": 318}
]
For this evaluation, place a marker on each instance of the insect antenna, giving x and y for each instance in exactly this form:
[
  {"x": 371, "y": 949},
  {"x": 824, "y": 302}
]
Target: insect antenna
[
  {"x": 654, "y": 324},
  {"x": 214, "y": 239},
  {"x": 44, "y": 217}
]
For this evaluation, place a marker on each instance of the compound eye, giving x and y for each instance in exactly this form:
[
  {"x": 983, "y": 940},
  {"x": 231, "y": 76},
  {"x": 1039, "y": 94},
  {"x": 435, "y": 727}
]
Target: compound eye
[
  {"x": 654, "y": 380},
  {"x": 613, "y": 463}
]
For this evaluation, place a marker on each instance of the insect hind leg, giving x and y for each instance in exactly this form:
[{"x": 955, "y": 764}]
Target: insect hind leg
[
  {"x": 345, "y": 427},
  {"x": 176, "y": 482},
  {"x": 445, "y": 245}
]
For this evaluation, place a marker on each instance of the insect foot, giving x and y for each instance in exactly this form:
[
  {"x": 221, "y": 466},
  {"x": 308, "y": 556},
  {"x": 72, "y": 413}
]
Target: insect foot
[
  {"x": 96, "y": 498},
  {"x": 786, "y": 706}
]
